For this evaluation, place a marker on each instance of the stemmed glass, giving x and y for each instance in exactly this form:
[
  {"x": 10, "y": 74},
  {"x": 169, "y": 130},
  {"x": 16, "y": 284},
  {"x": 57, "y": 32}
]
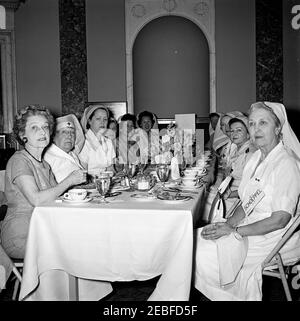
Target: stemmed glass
[
  {"x": 142, "y": 167},
  {"x": 130, "y": 170},
  {"x": 182, "y": 166},
  {"x": 163, "y": 171},
  {"x": 103, "y": 184}
]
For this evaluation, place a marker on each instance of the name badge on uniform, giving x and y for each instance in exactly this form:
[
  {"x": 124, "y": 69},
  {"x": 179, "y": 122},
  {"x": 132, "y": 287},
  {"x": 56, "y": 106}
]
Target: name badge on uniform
[{"x": 252, "y": 201}]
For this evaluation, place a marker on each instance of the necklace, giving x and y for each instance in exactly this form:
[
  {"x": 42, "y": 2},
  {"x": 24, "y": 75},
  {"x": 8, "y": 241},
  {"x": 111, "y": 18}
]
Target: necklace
[{"x": 32, "y": 156}]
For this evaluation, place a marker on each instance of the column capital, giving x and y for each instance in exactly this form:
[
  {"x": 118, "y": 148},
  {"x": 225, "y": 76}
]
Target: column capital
[{"x": 11, "y": 4}]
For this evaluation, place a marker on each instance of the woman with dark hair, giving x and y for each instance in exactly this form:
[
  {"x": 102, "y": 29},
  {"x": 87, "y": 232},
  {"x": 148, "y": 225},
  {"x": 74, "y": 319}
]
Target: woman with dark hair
[
  {"x": 146, "y": 120},
  {"x": 29, "y": 181},
  {"x": 148, "y": 135},
  {"x": 129, "y": 151},
  {"x": 98, "y": 151},
  {"x": 112, "y": 131}
]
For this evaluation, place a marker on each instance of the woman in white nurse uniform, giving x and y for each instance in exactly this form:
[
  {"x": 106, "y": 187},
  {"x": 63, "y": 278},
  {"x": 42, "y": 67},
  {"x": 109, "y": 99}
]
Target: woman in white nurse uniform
[
  {"x": 98, "y": 151},
  {"x": 229, "y": 254}
]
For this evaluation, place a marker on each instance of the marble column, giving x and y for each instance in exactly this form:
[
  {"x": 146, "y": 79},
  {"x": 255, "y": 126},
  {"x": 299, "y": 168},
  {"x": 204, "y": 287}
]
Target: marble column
[
  {"x": 269, "y": 52},
  {"x": 73, "y": 57}
]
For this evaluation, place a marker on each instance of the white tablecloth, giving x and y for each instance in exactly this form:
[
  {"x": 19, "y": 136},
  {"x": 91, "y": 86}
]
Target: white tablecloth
[{"x": 121, "y": 241}]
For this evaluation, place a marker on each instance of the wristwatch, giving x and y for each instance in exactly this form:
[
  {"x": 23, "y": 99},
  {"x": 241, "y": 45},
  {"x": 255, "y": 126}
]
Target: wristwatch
[{"x": 236, "y": 234}]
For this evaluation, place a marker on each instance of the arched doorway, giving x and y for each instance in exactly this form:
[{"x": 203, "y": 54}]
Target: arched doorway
[
  {"x": 171, "y": 68},
  {"x": 140, "y": 12}
]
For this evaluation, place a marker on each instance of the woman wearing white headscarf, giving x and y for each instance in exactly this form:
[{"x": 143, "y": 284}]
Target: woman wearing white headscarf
[
  {"x": 235, "y": 164},
  {"x": 62, "y": 154},
  {"x": 229, "y": 254},
  {"x": 222, "y": 143},
  {"x": 98, "y": 151}
]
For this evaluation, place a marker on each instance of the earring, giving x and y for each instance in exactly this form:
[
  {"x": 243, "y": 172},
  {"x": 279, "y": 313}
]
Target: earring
[{"x": 25, "y": 140}]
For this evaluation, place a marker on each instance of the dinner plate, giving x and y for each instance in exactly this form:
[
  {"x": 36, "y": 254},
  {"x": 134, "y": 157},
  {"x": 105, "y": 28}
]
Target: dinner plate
[
  {"x": 178, "y": 199},
  {"x": 87, "y": 199},
  {"x": 172, "y": 184},
  {"x": 143, "y": 197}
]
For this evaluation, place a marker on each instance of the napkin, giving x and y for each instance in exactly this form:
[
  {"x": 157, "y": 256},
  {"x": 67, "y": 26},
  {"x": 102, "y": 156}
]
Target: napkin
[
  {"x": 231, "y": 255},
  {"x": 174, "y": 169}
]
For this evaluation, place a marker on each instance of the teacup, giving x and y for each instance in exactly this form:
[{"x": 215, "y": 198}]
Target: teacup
[
  {"x": 76, "y": 194},
  {"x": 189, "y": 182}
]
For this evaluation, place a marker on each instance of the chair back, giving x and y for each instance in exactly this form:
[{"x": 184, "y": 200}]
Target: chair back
[
  {"x": 217, "y": 209},
  {"x": 286, "y": 236}
]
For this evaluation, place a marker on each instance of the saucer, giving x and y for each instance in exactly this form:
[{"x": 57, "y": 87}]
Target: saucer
[
  {"x": 188, "y": 188},
  {"x": 178, "y": 199},
  {"x": 119, "y": 188},
  {"x": 143, "y": 197},
  {"x": 87, "y": 199}
]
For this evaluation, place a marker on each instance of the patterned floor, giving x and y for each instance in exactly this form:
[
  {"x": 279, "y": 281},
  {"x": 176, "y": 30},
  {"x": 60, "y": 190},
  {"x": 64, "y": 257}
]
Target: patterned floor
[{"x": 140, "y": 291}]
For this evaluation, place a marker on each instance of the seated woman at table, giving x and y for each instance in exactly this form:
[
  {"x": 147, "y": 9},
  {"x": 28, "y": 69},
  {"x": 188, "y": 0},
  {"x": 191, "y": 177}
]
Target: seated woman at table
[
  {"x": 98, "y": 151},
  {"x": 129, "y": 140},
  {"x": 236, "y": 163},
  {"x": 229, "y": 254},
  {"x": 62, "y": 154},
  {"x": 112, "y": 131},
  {"x": 222, "y": 144},
  {"x": 148, "y": 124},
  {"x": 29, "y": 181},
  {"x": 213, "y": 121}
]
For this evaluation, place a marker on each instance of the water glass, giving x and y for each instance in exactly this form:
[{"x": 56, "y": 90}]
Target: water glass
[{"x": 103, "y": 184}]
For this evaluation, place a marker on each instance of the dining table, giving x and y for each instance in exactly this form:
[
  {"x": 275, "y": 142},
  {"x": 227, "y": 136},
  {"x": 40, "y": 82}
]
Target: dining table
[{"x": 75, "y": 250}]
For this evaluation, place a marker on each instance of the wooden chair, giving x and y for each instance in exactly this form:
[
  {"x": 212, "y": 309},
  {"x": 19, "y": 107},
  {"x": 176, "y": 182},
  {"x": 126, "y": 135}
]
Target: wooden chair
[
  {"x": 218, "y": 208},
  {"x": 274, "y": 265},
  {"x": 17, "y": 265},
  {"x": 17, "y": 270},
  {"x": 14, "y": 266}
]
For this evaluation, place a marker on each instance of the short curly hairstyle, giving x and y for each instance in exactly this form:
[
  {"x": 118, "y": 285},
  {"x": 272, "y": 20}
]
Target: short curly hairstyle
[
  {"x": 22, "y": 116},
  {"x": 145, "y": 113},
  {"x": 131, "y": 117}
]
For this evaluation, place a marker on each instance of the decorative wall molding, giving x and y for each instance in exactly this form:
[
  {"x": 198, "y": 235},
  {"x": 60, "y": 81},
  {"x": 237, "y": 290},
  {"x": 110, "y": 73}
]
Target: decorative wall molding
[
  {"x": 11, "y": 4},
  {"x": 140, "y": 12}
]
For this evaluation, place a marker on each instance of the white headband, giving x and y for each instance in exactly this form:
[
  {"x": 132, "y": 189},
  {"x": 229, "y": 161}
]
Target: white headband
[{"x": 65, "y": 124}]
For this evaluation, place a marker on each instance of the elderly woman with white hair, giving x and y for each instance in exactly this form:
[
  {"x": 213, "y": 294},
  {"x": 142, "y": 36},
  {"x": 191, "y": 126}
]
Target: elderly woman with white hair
[
  {"x": 98, "y": 151},
  {"x": 229, "y": 254}
]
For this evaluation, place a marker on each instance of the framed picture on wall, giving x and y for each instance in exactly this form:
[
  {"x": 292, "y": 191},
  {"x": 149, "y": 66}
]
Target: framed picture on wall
[
  {"x": 2, "y": 142},
  {"x": 117, "y": 108}
]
